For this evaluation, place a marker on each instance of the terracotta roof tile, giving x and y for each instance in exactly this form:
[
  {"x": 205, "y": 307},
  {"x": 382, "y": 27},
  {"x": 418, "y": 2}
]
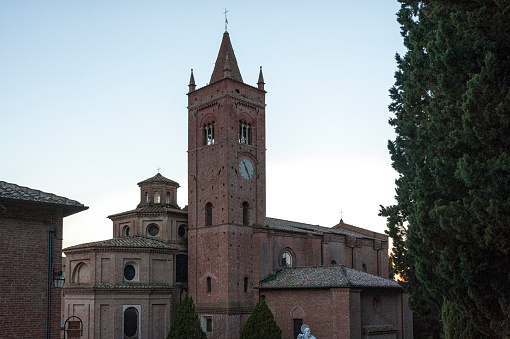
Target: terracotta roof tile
[
  {"x": 13, "y": 191},
  {"x": 158, "y": 178},
  {"x": 16, "y": 192},
  {"x": 324, "y": 277},
  {"x": 308, "y": 228},
  {"x": 125, "y": 242},
  {"x": 153, "y": 209}
]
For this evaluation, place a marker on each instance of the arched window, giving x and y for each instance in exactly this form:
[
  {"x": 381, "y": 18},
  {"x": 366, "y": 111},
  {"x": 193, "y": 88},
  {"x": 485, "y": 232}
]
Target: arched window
[
  {"x": 181, "y": 268},
  {"x": 286, "y": 259},
  {"x": 146, "y": 197},
  {"x": 209, "y": 133},
  {"x": 244, "y": 133},
  {"x": 125, "y": 231},
  {"x": 245, "y": 284},
  {"x": 364, "y": 267},
  {"x": 167, "y": 198},
  {"x": 209, "y": 287},
  {"x": 246, "y": 208},
  {"x": 157, "y": 197},
  {"x": 81, "y": 274},
  {"x": 131, "y": 322},
  {"x": 208, "y": 214}
]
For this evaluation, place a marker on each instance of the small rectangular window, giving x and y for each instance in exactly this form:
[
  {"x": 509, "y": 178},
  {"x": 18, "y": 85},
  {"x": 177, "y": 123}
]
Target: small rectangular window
[{"x": 206, "y": 322}]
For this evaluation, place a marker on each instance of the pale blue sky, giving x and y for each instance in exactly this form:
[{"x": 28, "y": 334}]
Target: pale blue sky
[{"x": 93, "y": 100}]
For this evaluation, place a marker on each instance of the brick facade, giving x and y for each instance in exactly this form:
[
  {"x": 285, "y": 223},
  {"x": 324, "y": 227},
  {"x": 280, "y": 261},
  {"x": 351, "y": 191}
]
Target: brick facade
[
  {"x": 234, "y": 251},
  {"x": 30, "y": 227}
]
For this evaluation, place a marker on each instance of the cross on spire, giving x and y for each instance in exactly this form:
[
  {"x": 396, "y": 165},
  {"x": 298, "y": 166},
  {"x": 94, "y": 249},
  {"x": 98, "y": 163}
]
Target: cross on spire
[
  {"x": 226, "y": 21},
  {"x": 159, "y": 168}
]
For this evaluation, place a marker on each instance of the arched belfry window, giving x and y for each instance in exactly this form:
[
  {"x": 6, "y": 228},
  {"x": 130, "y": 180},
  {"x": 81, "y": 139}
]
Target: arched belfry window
[
  {"x": 209, "y": 133},
  {"x": 157, "y": 197},
  {"x": 146, "y": 197},
  {"x": 244, "y": 133},
  {"x": 208, "y": 214},
  {"x": 168, "y": 198},
  {"x": 246, "y": 208}
]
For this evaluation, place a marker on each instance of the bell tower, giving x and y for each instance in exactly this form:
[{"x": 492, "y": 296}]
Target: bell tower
[{"x": 227, "y": 194}]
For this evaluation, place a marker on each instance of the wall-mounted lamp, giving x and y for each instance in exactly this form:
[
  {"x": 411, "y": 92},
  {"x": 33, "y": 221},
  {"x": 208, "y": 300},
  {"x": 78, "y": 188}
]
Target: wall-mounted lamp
[{"x": 58, "y": 278}]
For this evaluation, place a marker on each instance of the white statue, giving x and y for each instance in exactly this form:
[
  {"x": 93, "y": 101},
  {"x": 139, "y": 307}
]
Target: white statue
[{"x": 306, "y": 333}]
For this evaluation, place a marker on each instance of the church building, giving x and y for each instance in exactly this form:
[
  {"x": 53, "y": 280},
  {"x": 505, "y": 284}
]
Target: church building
[{"x": 223, "y": 250}]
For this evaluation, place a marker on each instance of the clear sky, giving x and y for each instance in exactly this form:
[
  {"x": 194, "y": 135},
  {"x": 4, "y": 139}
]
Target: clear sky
[{"x": 93, "y": 100}]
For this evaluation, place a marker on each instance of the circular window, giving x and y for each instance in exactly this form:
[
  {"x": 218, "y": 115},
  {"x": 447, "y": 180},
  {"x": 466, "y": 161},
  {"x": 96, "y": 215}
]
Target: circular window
[
  {"x": 286, "y": 259},
  {"x": 181, "y": 232},
  {"x": 153, "y": 230},
  {"x": 129, "y": 272}
]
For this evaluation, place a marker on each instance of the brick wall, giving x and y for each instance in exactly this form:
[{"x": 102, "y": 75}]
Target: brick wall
[{"x": 23, "y": 269}]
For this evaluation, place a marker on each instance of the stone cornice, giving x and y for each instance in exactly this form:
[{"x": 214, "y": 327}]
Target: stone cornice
[
  {"x": 115, "y": 289},
  {"x": 212, "y": 100},
  {"x": 120, "y": 249}
]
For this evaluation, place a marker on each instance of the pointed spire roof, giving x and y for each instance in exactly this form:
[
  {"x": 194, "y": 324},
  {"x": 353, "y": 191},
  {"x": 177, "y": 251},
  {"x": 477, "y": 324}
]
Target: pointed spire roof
[
  {"x": 219, "y": 67},
  {"x": 261, "y": 83},
  {"x": 191, "y": 85}
]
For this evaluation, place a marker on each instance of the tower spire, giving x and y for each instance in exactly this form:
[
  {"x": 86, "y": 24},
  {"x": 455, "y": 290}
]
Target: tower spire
[
  {"x": 219, "y": 67},
  {"x": 261, "y": 83},
  {"x": 227, "y": 71},
  {"x": 191, "y": 85}
]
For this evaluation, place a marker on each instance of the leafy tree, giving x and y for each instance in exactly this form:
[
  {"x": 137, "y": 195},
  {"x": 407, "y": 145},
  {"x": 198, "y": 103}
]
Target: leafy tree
[
  {"x": 261, "y": 324},
  {"x": 451, "y": 223},
  {"x": 186, "y": 324}
]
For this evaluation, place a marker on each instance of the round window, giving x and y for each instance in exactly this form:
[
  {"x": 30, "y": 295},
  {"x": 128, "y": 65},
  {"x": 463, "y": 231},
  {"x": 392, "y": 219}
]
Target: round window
[
  {"x": 153, "y": 230},
  {"x": 129, "y": 272},
  {"x": 182, "y": 231}
]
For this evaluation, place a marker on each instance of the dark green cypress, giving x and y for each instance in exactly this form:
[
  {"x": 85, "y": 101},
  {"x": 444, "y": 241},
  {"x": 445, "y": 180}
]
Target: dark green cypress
[
  {"x": 451, "y": 223},
  {"x": 261, "y": 324},
  {"x": 186, "y": 324}
]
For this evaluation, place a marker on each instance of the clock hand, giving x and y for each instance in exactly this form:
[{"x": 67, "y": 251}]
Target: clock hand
[{"x": 246, "y": 168}]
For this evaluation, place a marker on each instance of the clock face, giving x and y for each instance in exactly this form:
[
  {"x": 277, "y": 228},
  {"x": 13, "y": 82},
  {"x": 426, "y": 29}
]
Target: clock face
[{"x": 246, "y": 169}]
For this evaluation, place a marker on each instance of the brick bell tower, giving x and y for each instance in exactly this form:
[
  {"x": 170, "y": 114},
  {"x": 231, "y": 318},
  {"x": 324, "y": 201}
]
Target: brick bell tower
[{"x": 227, "y": 193}]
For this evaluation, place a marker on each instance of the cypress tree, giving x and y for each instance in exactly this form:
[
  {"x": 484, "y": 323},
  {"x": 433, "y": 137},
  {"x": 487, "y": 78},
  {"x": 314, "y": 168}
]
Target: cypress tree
[
  {"x": 186, "y": 324},
  {"x": 451, "y": 223},
  {"x": 261, "y": 324}
]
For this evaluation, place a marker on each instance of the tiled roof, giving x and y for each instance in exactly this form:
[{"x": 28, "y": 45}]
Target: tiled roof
[
  {"x": 308, "y": 228},
  {"x": 351, "y": 228},
  {"x": 153, "y": 209},
  {"x": 13, "y": 191},
  {"x": 324, "y": 277},
  {"x": 158, "y": 178},
  {"x": 125, "y": 242}
]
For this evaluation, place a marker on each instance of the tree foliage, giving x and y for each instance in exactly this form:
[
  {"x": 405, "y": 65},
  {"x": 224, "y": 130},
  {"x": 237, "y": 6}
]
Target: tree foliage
[
  {"x": 261, "y": 324},
  {"x": 186, "y": 324},
  {"x": 451, "y": 222}
]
